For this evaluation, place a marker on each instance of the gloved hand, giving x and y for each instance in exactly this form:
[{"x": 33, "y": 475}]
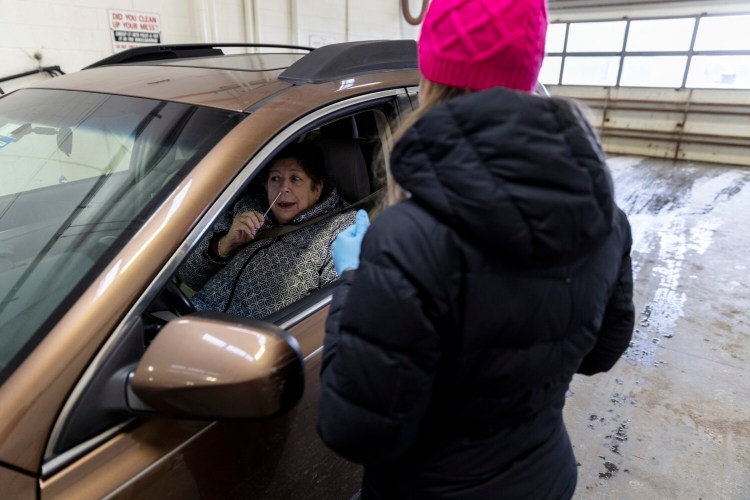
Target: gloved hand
[{"x": 348, "y": 243}]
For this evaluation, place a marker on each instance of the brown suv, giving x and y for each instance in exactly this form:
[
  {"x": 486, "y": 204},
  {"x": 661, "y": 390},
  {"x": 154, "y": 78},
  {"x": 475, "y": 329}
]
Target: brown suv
[{"x": 111, "y": 384}]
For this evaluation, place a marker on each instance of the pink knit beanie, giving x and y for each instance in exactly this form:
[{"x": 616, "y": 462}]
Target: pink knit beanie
[{"x": 479, "y": 44}]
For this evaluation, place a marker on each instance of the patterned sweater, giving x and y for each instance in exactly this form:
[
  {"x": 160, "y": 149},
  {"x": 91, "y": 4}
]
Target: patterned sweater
[{"x": 265, "y": 276}]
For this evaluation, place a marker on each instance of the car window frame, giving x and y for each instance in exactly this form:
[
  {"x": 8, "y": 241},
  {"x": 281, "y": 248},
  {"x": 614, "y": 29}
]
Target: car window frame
[{"x": 54, "y": 463}]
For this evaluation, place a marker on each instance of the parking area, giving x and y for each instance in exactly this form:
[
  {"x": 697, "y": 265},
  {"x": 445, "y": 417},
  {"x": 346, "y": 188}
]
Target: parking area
[{"x": 672, "y": 419}]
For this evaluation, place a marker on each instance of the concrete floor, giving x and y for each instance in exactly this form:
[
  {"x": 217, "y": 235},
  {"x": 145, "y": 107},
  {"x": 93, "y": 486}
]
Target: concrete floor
[{"x": 672, "y": 418}]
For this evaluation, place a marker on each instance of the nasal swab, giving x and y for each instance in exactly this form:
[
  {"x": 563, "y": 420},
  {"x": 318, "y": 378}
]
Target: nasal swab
[{"x": 271, "y": 205}]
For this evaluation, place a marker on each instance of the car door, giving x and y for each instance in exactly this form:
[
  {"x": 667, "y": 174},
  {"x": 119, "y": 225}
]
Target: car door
[{"x": 98, "y": 450}]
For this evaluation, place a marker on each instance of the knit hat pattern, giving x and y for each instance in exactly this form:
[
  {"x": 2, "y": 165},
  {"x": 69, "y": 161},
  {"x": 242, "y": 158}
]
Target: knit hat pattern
[{"x": 480, "y": 44}]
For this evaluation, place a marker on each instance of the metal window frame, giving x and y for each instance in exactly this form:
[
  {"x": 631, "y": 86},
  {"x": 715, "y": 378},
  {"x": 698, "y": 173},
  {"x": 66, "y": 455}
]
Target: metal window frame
[{"x": 622, "y": 54}]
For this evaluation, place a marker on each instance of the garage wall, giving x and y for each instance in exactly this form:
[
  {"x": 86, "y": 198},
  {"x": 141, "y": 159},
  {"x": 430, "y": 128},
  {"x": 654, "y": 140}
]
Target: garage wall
[
  {"x": 710, "y": 125},
  {"x": 73, "y": 34},
  {"x": 687, "y": 124}
]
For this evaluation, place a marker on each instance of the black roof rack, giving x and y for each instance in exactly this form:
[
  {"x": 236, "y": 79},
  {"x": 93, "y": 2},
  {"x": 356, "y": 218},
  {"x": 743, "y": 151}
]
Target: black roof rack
[
  {"x": 180, "y": 51},
  {"x": 339, "y": 60}
]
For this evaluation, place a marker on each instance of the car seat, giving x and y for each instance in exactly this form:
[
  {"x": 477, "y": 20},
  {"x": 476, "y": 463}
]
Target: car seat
[{"x": 346, "y": 167}]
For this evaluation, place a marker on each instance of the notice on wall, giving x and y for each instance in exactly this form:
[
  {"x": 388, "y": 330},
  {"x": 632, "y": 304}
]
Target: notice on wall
[{"x": 133, "y": 29}]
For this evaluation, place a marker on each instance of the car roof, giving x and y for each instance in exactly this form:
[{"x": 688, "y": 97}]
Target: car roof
[{"x": 202, "y": 74}]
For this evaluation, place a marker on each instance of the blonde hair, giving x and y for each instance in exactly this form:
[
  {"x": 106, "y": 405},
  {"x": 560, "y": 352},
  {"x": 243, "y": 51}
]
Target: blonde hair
[{"x": 430, "y": 95}]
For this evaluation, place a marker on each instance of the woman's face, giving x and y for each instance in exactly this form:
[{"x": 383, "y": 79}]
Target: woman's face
[{"x": 298, "y": 193}]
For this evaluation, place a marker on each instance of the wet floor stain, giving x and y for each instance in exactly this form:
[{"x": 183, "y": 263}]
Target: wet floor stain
[
  {"x": 643, "y": 349},
  {"x": 619, "y": 437},
  {"x": 615, "y": 430},
  {"x": 683, "y": 220},
  {"x": 672, "y": 222},
  {"x": 610, "y": 470}
]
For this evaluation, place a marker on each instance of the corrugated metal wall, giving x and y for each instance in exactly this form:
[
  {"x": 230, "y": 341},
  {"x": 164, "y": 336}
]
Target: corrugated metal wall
[{"x": 687, "y": 124}]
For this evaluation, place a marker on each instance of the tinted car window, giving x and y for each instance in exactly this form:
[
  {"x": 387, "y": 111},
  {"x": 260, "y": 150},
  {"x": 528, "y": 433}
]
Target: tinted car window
[{"x": 78, "y": 172}]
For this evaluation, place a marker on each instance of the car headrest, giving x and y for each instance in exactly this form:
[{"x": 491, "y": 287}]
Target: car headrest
[{"x": 346, "y": 167}]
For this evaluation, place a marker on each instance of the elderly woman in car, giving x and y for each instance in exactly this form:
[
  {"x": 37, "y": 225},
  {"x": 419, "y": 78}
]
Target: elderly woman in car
[{"x": 236, "y": 272}]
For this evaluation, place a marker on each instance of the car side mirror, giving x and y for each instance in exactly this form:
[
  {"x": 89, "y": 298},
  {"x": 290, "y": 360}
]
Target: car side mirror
[{"x": 213, "y": 366}]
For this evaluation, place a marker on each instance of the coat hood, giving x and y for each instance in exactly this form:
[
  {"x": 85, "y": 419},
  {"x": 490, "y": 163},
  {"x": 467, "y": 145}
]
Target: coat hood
[{"x": 521, "y": 174}]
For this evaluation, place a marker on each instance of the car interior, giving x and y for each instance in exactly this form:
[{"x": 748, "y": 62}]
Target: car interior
[{"x": 350, "y": 148}]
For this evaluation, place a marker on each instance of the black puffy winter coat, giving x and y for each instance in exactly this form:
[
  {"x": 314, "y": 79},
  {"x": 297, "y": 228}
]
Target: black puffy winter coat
[{"x": 449, "y": 351}]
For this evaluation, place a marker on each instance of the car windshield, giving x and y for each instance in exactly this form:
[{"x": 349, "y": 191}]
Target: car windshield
[{"x": 79, "y": 173}]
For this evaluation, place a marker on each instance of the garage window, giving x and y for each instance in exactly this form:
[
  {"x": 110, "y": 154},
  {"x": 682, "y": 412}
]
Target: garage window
[{"x": 682, "y": 52}]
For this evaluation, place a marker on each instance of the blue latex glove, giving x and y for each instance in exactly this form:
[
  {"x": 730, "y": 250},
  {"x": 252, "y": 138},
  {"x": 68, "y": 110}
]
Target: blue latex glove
[{"x": 348, "y": 243}]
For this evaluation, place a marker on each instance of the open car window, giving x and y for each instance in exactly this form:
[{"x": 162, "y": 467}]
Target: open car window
[{"x": 351, "y": 151}]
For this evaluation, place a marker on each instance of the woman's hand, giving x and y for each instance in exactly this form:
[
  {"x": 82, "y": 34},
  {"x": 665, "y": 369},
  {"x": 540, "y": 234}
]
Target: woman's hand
[{"x": 244, "y": 228}]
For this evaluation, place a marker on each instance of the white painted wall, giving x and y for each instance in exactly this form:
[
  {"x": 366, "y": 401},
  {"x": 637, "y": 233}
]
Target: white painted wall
[{"x": 75, "y": 33}]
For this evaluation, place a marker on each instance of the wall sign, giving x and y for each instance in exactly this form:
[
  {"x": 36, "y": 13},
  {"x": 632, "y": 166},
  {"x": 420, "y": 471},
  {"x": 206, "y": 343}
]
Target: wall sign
[{"x": 133, "y": 29}]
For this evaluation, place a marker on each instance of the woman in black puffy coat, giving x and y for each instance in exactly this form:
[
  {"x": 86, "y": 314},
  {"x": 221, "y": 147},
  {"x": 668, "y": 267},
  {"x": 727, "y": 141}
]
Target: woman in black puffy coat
[{"x": 501, "y": 270}]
